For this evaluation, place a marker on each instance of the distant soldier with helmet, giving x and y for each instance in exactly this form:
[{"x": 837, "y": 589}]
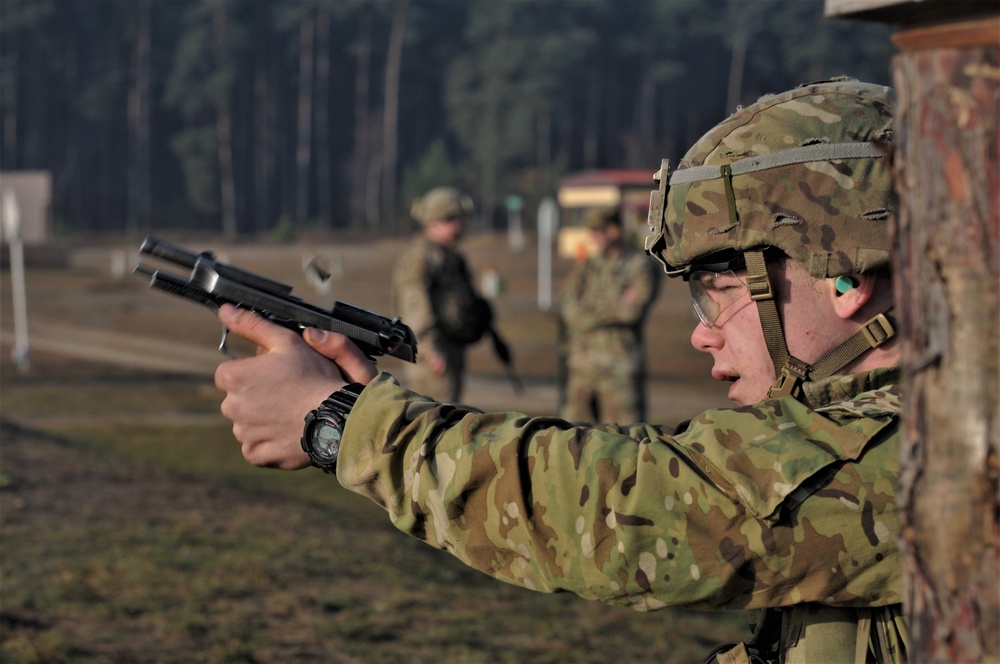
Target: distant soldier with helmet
[
  {"x": 784, "y": 504},
  {"x": 432, "y": 291},
  {"x": 605, "y": 301}
]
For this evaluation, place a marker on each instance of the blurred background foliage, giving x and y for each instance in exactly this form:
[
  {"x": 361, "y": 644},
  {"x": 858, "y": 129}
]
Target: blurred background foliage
[{"x": 241, "y": 117}]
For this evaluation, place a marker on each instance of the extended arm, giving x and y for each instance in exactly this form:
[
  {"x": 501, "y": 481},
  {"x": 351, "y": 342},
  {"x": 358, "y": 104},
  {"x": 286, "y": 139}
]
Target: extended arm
[
  {"x": 636, "y": 516},
  {"x": 646, "y": 517}
]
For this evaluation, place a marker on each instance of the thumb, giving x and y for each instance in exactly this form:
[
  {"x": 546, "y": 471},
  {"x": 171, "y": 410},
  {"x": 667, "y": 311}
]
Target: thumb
[
  {"x": 337, "y": 347},
  {"x": 252, "y": 327}
]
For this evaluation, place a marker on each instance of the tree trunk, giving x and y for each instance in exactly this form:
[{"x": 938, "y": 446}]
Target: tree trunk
[
  {"x": 139, "y": 204},
  {"x": 303, "y": 151},
  {"x": 362, "y": 139},
  {"x": 324, "y": 169},
  {"x": 263, "y": 146},
  {"x": 592, "y": 119},
  {"x": 265, "y": 112},
  {"x": 223, "y": 130},
  {"x": 643, "y": 131},
  {"x": 543, "y": 144},
  {"x": 66, "y": 179},
  {"x": 390, "y": 117},
  {"x": 14, "y": 64},
  {"x": 490, "y": 158},
  {"x": 948, "y": 269},
  {"x": 738, "y": 57}
]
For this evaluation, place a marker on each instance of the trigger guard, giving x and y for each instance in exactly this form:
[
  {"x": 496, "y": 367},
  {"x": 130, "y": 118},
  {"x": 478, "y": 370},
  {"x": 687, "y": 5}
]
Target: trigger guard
[{"x": 223, "y": 348}]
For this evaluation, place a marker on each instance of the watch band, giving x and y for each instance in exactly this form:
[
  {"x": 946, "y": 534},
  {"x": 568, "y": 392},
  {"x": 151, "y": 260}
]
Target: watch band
[{"x": 343, "y": 400}]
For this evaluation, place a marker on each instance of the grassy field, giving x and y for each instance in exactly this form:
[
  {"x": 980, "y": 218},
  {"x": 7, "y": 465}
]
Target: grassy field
[{"x": 132, "y": 531}]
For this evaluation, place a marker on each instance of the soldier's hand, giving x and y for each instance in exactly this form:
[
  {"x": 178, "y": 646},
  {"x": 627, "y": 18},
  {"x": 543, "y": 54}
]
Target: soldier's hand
[
  {"x": 269, "y": 395},
  {"x": 436, "y": 363}
]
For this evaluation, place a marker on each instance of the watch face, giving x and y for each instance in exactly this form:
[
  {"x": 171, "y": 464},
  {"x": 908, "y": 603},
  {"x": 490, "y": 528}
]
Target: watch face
[{"x": 325, "y": 439}]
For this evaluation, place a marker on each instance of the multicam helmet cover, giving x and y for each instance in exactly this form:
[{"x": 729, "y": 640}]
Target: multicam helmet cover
[
  {"x": 441, "y": 203},
  {"x": 804, "y": 171}
]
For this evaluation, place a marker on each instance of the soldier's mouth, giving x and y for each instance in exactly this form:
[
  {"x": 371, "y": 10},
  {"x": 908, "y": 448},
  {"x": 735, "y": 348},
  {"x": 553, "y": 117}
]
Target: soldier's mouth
[{"x": 724, "y": 376}]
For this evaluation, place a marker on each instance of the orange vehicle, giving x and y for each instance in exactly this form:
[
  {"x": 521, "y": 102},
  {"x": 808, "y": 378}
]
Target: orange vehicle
[{"x": 628, "y": 190}]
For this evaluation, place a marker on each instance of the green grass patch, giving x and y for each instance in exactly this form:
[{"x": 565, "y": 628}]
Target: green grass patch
[{"x": 133, "y": 531}]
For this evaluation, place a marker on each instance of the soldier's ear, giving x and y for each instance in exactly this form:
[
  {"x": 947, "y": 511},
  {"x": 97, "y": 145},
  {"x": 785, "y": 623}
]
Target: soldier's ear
[{"x": 849, "y": 294}]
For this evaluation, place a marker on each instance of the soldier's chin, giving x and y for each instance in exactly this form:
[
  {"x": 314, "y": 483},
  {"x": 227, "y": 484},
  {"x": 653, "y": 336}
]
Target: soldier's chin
[
  {"x": 738, "y": 393},
  {"x": 734, "y": 392},
  {"x": 747, "y": 392}
]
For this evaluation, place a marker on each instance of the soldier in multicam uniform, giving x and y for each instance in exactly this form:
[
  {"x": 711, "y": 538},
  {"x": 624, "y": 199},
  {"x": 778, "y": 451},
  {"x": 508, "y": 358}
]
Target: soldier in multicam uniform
[
  {"x": 604, "y": 305},
  {"x": 429, "y": 274},
  {"x": 785, "y": 503}
]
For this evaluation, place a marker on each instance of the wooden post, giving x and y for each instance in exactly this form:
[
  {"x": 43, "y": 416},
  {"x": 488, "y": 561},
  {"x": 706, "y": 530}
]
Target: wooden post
[{"x": 947, "y": 264}]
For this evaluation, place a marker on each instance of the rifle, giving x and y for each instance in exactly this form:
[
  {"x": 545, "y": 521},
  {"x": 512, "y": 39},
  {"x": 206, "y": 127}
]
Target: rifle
[
  {"x": 502, "y": 351},
  {"x": 213, "y": 283}
]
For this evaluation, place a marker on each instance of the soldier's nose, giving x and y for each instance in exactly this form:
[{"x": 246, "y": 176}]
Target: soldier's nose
[{"x": 706, "y": 339}]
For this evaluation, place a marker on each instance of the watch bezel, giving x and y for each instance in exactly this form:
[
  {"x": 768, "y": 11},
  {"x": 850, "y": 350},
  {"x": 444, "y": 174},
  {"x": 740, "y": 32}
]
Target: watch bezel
[
  {"x": 333, "y": 411},
  {"x": 325, "y": 459}
]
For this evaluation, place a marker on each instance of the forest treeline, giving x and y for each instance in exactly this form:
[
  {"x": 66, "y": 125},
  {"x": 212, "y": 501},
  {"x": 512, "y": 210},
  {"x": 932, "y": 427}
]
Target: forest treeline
[{"x": 247, "y": 117}]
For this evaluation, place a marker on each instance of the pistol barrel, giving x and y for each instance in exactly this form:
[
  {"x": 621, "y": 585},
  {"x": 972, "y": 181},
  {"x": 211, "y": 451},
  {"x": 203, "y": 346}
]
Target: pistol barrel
[{"x": 168, "y": 252}]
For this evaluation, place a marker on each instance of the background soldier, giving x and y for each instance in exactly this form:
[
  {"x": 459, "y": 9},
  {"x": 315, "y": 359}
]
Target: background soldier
[
  {"x": 432, "y": 291},
  {"x": 604, "y": 305},
  {"x": 777, "y": 219}
]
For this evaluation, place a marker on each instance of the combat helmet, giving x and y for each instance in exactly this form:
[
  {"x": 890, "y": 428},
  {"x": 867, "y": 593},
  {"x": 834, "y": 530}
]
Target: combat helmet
[
  {"x": 803, "y": 174},
  {"x": 441, "y": 203}
]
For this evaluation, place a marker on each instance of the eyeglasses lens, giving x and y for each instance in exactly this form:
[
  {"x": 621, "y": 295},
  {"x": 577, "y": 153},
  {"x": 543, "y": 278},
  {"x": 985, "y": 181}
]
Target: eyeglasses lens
[{"x": 714, "y": 292}]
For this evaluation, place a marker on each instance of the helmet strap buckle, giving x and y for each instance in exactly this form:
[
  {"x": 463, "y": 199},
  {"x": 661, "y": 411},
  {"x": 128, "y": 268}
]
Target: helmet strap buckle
[
  {"x": 759, "y": 286},
  {"x": 877, "y": 331},
  {"x": 789, "y": 382}
]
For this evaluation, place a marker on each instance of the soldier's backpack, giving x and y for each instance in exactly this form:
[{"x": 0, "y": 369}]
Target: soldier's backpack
[{"x": 463, "y": 316}]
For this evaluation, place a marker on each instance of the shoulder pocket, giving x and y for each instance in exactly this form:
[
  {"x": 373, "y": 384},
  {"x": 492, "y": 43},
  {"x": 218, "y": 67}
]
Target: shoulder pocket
[{"x": 771, "y": 457}]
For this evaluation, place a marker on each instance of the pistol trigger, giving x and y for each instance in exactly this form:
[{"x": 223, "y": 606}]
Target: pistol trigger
[{"x": 223, "y": 348}]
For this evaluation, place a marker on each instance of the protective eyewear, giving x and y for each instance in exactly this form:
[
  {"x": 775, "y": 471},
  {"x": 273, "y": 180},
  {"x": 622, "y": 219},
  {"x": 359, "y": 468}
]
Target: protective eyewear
[{"x": 714, "y": 292}]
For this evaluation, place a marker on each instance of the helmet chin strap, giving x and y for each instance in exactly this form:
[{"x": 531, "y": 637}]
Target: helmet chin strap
[{"x": 791, "y": 372}]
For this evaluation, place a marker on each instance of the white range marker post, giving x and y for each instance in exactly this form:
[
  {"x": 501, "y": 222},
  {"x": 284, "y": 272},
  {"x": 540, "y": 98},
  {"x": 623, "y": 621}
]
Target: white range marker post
[
  {"x": 548, "y": 220},
  {"x": 12, "y": 231}
]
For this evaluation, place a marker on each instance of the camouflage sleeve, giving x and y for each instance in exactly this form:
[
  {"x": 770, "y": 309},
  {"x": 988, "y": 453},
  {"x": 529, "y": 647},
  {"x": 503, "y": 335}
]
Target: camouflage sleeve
[{"x": 728, "y": 513}]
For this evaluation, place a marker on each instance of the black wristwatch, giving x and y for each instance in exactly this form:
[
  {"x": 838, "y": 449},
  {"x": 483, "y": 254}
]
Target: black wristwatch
[{"x": 325, "y": 426}]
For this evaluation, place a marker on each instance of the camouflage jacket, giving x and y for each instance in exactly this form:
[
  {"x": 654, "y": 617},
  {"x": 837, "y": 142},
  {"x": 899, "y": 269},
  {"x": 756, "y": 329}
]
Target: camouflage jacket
[
  {"x": 602, "y": 324},
  {"x": 773, "y": 504}
]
